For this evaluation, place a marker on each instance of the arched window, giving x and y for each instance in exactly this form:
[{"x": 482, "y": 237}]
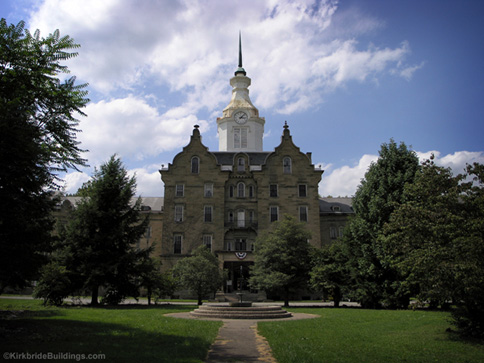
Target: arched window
[
  {"x": 195, "y": 165},
  {"x": 286, "y": 162},
  {"x": 241, "y": 190},
  {"x": 240, "y": 164},
  {"x": 251, "y": 191}
]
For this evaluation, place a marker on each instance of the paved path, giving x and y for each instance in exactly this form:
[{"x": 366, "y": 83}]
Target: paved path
[{"x": 238, "y": 340}]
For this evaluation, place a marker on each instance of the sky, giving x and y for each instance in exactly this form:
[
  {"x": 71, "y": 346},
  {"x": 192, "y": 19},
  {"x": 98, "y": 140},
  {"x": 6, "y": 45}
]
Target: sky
[{"x": 347, "y": 76}]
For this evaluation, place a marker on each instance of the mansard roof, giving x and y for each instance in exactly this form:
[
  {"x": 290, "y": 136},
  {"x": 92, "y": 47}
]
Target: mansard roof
[
  {"x": 255, "y": 158},
  {"x": 152, "y": 204},
  {"x": 336, "y": 205}
]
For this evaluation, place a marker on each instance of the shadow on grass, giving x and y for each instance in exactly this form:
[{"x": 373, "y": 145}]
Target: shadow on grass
[{"x": 165, "y": 340}]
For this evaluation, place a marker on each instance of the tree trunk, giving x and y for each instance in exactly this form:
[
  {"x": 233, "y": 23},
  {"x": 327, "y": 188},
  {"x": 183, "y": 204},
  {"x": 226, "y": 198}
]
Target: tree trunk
[
  {"x": 148, "y": 294},
  {"x": 336, "y": 296},
  {"x": 286, "y": 297},
  {"x": 95, "y": 295}
]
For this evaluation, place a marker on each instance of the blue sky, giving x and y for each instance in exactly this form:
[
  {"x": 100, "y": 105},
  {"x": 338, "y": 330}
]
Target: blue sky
[{"x": 347, "y": 76}]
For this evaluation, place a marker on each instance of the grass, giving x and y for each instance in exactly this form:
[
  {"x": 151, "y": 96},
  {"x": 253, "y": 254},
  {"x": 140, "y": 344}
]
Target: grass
[
  {"x": 131, "y": 333},
  {"x": 357, "y": 335}
]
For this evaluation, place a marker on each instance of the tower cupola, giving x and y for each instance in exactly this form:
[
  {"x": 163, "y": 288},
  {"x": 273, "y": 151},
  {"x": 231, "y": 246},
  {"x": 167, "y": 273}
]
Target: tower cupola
[{"x": 240, "y": 128}]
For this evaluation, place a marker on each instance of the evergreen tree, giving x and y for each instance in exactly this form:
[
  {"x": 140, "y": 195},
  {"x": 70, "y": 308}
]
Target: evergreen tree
[
  {"x": 374, "y": 282},
  {"x": 282, "y": 258},
  {"x": 199, "y": 273},
  {"x": 37, "y": 141},
  {"x": 99, "y": 244}
]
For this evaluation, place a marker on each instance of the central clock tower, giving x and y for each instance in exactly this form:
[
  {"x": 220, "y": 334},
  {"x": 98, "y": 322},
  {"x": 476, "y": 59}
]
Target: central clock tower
[{"x": 240, "y": 128}]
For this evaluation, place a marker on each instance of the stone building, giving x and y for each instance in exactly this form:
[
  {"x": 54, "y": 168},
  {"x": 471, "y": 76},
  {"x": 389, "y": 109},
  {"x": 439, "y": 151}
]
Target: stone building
[{"x": 224, "y": 199}]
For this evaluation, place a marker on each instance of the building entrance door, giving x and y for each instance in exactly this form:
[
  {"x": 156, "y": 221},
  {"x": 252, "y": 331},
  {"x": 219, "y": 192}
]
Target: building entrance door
[{"x": 238, "y": 276}]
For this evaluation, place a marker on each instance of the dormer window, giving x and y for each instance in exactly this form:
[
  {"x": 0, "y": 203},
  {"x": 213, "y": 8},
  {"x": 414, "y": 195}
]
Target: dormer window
[
  {"x": 336, "y": 208},
  {"x": 195, "y": 165},
  {"x": 287, "y": 165},
  {"x": 240, "y": 164}
]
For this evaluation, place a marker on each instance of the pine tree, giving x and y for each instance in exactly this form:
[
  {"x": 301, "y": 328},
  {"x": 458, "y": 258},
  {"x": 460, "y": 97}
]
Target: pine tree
[{"x": 99, "y": 244}]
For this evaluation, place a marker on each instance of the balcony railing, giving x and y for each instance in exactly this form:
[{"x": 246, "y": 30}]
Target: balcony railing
[{"x": 241, "y": 225}]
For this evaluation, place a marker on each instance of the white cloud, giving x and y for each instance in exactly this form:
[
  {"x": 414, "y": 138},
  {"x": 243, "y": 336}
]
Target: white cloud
[
  {"x": 73, "y": 181},
  {"x": 344, "y": 180},
  {"x": 190, "y": 46},
  {"x": 456, "y": 162},
  {"x": 148, "y": 182},
  {"x": 133, "y": 129}
]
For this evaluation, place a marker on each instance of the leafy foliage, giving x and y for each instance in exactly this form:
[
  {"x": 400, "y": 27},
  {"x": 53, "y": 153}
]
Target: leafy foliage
[
  {"x": 436, "y": 239},
  {"x": 375, "y": 283},
  {"x": 330, "y": 272},
  {"x": 282, "y": 258},
  {"x": 199, "y": 273},
  {"x": 37, "y": 140}
]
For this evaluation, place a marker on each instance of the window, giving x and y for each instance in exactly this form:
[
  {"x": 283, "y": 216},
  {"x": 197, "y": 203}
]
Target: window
[
  {"x": 333, "y": 233},
  {"x": 240, "y": 137},
  {"x": 207, "y": 241},
  {"x": 207, "y": 213},
  {"x": 274, "y": 212},
  {"x": 177, "y": 244},
  {"x": 302, "y": 190},
  {"x": 231, "y": 191},
  {"x": 251, "y": 216},
  {"x": 240, "y": 164},
  {"x": 228, "y": 246},
  {"x": 231, "y": 217},
  {"x": 240, "y": 244},
  {"x": 273, "y": 190},
  {"x": 208, "y": 190},
  {"x": 336, "y": 208},
  {"x": 241, "y": 218},
  {"x": 195, "y": 165},
  {"x": 178, "y": 213},
  {"x": 179, "y": 190},
  {"x": 340, "y": 231},
  {"x": 241, "y": 190},
  {"x": 251, "y": 191},
  {"x": 286, "y": 162},
  {"x": 148, "y": 232},
  {"x": 303, "y": 214}
]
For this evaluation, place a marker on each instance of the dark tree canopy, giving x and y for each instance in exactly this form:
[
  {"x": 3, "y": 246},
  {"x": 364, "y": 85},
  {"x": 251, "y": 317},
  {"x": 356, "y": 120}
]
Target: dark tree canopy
[
  {"x": 282, "y": 258},
  {"x": 37, "y": 140},
  {"x": 374, "y": 282},
  {"x": 436, "y": 241},
  {"x": 98, "y": 246},
  {"x": 199, "y": 273}
]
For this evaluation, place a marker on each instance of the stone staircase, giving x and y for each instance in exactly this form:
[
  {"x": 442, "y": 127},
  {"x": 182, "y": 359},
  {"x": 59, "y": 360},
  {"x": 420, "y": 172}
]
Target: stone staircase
[{"x": 223, "y": 311}]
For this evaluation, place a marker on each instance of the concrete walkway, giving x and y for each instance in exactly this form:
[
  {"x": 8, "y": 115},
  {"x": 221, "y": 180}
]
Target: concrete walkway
[{"x": 239, "y": 341}]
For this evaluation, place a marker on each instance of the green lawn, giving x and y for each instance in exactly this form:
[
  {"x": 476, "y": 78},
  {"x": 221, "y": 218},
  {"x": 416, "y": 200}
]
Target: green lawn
[
  {"x": 125, "y": 334},
  {"x": 357, "y": 335},
  {"x": 137, "y": 333}
]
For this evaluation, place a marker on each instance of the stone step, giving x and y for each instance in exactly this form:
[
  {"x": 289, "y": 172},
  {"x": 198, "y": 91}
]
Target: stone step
[{"x": 254, "y": 312}]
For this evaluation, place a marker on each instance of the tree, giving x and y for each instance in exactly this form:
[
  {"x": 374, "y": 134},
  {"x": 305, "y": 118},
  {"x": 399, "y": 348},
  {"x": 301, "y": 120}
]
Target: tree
[
  {"x": 330, "y": 273},
  {"x": 436, "y": 239},
  {"x": 157, "y": 284},
  {"x": 37, "y": 141},
  {"x": 98, "y": 245},
  {"x": 282, "y": 258},
  {"x": 199, "y": 273},
  {"x": 374, "y": 282}
]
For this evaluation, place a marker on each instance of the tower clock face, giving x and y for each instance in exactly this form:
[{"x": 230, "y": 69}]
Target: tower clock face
[{"x": 240, "y": 117}]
